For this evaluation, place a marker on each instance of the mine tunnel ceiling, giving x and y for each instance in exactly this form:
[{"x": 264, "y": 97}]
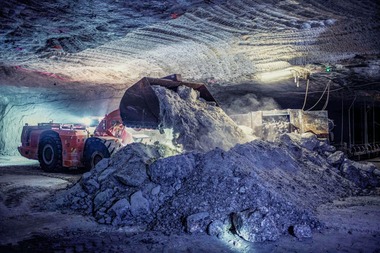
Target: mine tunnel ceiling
[{"x": 278, "y": 49}]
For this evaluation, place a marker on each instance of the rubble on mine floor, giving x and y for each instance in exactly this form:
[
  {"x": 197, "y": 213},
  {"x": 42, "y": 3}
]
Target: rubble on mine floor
[{"x": 257, "y": 190}]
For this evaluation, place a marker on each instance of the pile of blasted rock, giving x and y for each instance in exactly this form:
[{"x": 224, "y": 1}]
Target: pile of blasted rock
[
  {"x": 257, "y": 190},
  {"x": 363, "y": 174}
]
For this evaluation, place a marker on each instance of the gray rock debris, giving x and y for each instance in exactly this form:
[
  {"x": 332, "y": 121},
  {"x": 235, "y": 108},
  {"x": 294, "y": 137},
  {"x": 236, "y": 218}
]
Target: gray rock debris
[
  {"x": 198, "y": 126},
  {"x": 336, "y": 158},
  {"x": 362, "y": 174},
  {"x": 256, "y": 225},
  {"x": 264, "y": 186}
]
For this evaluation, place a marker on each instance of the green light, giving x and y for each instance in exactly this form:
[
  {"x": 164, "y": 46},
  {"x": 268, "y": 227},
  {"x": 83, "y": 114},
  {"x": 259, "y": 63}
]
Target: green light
[{"x": 328, "y": 69}]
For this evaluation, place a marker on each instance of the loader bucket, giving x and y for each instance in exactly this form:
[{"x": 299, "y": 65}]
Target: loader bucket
[{"x": 140, "y": 107}]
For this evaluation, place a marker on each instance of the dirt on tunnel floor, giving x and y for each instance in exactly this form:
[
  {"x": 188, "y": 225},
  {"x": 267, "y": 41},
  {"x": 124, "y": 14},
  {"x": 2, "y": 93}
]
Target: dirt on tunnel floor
[{"x": 351, "y": 224}]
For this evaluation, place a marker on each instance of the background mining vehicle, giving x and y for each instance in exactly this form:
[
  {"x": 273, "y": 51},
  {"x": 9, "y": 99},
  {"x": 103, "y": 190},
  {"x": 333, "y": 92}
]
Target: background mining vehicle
[
  {"x": 59, "y": 145},
  {"x": 269, "y": 125}
]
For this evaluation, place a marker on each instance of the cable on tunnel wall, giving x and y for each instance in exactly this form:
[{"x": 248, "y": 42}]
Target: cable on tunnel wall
[{"x": 307, "y": 89}]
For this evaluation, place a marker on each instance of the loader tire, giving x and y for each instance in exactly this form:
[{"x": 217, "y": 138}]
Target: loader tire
[
  {"x": 94, "y": 152},
  {"x": 50, "y": 153}
]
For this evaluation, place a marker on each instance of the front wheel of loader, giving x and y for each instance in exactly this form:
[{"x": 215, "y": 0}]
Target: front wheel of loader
[
  {"x": 50, "y": 153},
  {"x": 94, "y": 152}
]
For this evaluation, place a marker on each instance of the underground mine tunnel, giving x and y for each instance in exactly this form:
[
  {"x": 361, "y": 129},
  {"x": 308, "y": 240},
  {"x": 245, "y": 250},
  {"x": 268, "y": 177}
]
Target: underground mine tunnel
[{"x": 216, "y": 126}]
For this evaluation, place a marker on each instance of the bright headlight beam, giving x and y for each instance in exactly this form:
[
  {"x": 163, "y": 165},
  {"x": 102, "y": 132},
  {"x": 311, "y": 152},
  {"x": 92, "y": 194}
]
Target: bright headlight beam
[
  {"x": 283, "y": 74},
  {"x": 86, "y": 121},
  {"x": 276, "y": 75}
]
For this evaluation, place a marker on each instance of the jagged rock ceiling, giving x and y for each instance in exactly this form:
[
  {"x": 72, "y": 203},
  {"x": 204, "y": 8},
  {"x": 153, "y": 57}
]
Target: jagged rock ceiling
[{"x": 78, "y": 57}]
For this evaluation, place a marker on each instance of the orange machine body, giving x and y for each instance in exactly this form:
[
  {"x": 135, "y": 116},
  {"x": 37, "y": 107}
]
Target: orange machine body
[{"x": 73, "y": 137}]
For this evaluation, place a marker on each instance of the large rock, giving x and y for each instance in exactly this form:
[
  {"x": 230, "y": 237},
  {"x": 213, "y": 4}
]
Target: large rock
[
  {"x": 132, "y": 175},
  {"x": 309, "y": 141},
  {"x": 89, "y": 183},
  {"x": 139, "y": 205},
  {"x": 336, "y": 158},
  {"x": 218, "y": 228},
  {"x": 255, "y": 225},
  {"x": 187, "y": 94},
  {"x": 168, "y": 171},
  {"x": 302, "y": 231},
  {"x": 197, "y": 222},
  {"x": 120, "y": 208},
  {"x": 102, "y": 197},
  {"x": 324, "y": 146}
]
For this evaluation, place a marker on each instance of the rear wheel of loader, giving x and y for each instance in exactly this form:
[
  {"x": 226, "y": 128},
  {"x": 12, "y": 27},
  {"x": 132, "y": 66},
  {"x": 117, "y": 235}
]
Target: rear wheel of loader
[
  {"x": 50, "y": 153},
  {"x": 94, "y": 152}
]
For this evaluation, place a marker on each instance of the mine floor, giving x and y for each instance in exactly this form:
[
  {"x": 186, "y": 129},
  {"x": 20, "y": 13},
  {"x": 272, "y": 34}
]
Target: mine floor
[{"x": 351, "y": 224}]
